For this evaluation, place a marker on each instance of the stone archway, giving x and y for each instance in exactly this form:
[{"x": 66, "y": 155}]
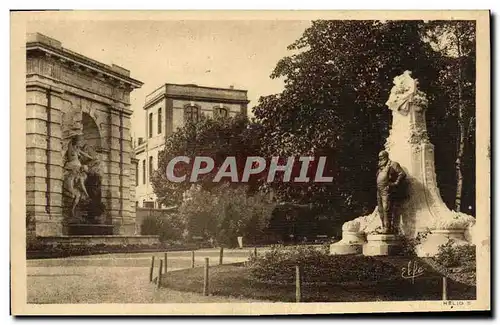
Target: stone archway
[
  {"x": 86, "y": 216},
  {"x": 91, "y": 132}
]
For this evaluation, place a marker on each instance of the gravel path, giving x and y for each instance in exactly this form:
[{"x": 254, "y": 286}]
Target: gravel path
[{"x": 111, "y": 279}]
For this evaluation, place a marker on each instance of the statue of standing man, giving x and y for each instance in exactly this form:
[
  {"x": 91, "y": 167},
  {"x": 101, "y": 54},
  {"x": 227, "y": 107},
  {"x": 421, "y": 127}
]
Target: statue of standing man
[{"x": 389, "y": 177}]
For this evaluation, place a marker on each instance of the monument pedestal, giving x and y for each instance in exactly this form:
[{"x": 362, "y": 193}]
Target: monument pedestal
[
  {"x": 438, "y": 237},
  {"x": 89, "y": 229},
  {"x": 382, "y": 245},
  {"x": 44, "y": 224},
  {"x": 351, "y": 243}
]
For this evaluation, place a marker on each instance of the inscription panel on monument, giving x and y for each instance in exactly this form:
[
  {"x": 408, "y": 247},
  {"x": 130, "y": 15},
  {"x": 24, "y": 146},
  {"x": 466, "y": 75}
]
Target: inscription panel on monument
[{"x": 71, "y": 74}]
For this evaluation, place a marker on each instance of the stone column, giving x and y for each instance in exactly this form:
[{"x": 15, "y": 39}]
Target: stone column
[
  {"x": 107, "y": 176},
  {"x": 44, "y": 160},
  {"x": 133, "y": 210},
  {"x": 115, "y": 173},
  {"x": 128, "y": 215},
  {"x": 118, "y": 178}
]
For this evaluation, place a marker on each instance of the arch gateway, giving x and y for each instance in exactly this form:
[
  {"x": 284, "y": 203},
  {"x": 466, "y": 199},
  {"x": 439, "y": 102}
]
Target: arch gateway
[{"x": 80, "y": 174}]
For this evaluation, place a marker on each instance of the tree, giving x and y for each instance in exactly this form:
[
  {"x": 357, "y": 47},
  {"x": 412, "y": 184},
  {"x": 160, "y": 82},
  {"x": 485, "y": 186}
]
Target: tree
[
  {"x": 336, "y": 84},
  {"x": 224, "y": 213},
  {"x": 337, "y": 80},
  {"x": 217, "y": 138},
  {"x": 168, "y": 226},
  {"x": 455, "y": 41}
]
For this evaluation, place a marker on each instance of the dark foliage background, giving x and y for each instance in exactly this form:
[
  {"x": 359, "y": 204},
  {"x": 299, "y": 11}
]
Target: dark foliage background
[
  {"x": 336, "y": 84},
  {"x": 337, "y": 79}
]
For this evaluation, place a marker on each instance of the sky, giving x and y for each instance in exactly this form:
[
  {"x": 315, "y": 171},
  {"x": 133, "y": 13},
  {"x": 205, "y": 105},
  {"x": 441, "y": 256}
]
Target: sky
[{"x": 206, "y": 53}]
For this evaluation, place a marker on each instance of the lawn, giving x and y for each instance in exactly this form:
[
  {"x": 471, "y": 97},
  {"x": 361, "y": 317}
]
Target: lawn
[{"x": 236, "y": 280}]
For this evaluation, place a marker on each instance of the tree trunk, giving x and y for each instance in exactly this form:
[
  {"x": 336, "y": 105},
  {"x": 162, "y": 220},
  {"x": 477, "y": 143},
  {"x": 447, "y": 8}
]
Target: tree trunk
[
  {"x": 461, "y": 128},
  {"x": 458, "y": 165}
]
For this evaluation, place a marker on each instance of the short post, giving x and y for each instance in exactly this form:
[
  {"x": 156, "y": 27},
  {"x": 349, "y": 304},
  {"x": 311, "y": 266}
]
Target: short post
[
  {"x": 160, "y": 269},
  {"x": 205, "y": 279},
  {"x": 165, "y": 258},
  {"x": 192, "y": 259},
  {"x": 221, "y": 254},
  {"x": 298, "y": 292},
  {"x": 445, "y": 289},
  {"x": 255, "y": 251},
  {"x": 151, "y": 269}
]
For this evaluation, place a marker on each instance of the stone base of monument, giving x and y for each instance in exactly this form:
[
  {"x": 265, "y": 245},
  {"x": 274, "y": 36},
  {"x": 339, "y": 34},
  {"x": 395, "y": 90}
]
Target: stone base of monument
[
  {"x": 438, "y": 237},
  {"x": 382, "y": 245},
  {"x": 105, "y": 240},
  {"x": 351, "y": 243},
  {"x": 89, "y": 229},
  {"x": 44, "y": 224}
]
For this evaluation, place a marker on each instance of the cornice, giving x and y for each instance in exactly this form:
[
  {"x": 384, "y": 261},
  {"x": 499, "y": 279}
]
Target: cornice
[
  {"x": 84, "y": 62},
  {"x": 195, "y": 99},
  {"x": 62, "y": 88}
]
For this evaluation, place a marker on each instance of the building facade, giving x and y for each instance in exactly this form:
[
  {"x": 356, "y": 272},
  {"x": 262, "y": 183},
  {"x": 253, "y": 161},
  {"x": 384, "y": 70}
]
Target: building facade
[
  {"x": 69, "y": 97},
  {"x": 169, "y": 108}
]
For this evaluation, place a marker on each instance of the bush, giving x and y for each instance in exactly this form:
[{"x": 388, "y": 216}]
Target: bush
[
  {"x": 450, "y": 255},
  {"x": 294, "y": 223},
  {"x": 39, "y": 250},
  {"x": 278, "y": 266},
  {"x": 168, "y": 228},
  {"x": 409, "y": 245},
  {"x": 226, "y": 212}
]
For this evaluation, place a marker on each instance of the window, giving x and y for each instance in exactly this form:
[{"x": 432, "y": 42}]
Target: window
[
  {"x": 159, "y": 120},
  {"x": 137, "y": 174},
  {"x": 192, "y": 114},
  {"x": 220, "y": 111},
  {"x": 150, "y": 125},
  {"x": 144, "y": 171},
  {"x": 148, "y": 204},
  {"x": 150, "y": 166}
]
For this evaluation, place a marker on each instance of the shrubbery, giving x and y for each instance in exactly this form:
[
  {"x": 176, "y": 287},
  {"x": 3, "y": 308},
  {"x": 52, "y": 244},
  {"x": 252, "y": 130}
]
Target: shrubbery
[
  {"x": 463, "y": 256},
  {"x": 41, "y": 250},
  {"x": 168, "y": 228},
  {"x": 278, "y": 266},
  {"x": 226, "y": 212},
  {"x": 409, "y": 245}
]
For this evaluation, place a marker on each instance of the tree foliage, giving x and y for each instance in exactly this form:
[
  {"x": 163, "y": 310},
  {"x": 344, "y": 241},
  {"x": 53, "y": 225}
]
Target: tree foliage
[
  {"x": 224, "y": 213},
  {"x": 455, "y": 43},
  {"x": 217, "y": 138},
  {"x": 169, "y": 227},
  {"x": 336, "y": 83}
]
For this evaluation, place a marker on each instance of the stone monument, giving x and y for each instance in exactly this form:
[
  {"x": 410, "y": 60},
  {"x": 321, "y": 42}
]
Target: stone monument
[
  {"x": 79, "y": 173},
  {"x": 391, "y": 184},
  {"x": 422, "y": 213}
]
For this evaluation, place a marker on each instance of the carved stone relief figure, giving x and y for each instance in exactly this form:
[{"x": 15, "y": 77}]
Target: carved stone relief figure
[
  {"x": 76, "y": 170},
  {"x": 94, "y": 206}
]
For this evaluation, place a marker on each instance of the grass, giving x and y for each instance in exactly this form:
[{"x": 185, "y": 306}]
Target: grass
[{"x": 235, "y": 280}]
